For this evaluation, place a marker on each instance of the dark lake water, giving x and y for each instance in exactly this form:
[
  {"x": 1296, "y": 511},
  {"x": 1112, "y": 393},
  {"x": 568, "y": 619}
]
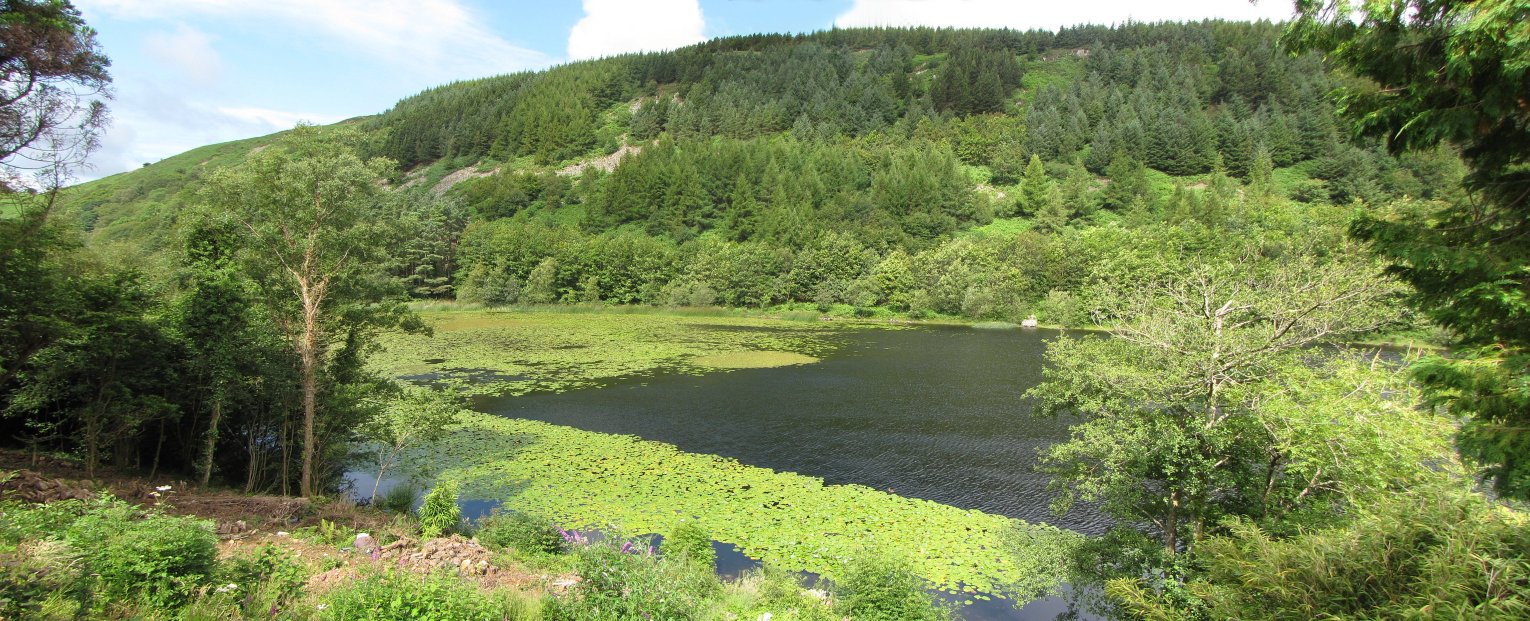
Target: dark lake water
[{"x": 928, "y": 412}]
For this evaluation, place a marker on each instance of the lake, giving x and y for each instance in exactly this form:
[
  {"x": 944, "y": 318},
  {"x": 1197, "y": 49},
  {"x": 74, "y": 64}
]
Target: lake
[{"x": 926, "y": 412}]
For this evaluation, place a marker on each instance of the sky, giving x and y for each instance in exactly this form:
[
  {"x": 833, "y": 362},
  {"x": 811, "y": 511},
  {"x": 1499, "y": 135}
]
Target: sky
[{"x": 194, "y": 72}]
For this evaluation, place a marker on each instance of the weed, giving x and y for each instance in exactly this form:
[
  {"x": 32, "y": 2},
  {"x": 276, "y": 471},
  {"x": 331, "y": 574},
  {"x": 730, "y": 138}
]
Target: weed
[
  {"x": 440, "y": 514},
  {"x": 521, "y": 532}
]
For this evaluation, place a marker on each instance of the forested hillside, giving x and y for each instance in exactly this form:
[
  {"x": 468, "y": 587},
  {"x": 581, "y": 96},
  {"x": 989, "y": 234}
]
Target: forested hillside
[
  {"x": 1234, "y": 207},
  {"x": 983, "y": 173}
]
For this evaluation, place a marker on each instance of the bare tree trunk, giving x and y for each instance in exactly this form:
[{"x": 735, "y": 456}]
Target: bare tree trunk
[
  {"x": 204, "y": 470},
  {"x": 253, "y": 447},
  {"x": 159, "y": 447},
  {"x": 1171, "y": 525},
  {"x": 308, "y": 350}
]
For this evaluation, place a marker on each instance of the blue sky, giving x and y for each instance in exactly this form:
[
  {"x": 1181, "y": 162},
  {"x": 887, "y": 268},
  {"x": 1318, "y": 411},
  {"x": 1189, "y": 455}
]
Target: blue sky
[{"x": 195, "y": 72}]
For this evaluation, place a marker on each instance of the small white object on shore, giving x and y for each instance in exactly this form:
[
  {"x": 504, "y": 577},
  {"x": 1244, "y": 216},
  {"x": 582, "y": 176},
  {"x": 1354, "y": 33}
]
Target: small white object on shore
[{"x": 1029, "y": 322}]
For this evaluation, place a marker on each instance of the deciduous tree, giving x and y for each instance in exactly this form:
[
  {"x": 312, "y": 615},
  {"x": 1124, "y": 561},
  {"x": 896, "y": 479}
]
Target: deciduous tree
[{"x": 310, "y": 207}]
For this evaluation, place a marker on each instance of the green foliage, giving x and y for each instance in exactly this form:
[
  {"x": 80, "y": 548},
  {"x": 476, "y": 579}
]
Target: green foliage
[
  {"x": 161, "y": 557},
  {"x": 401, "y": 596},
  {"x": 53, "y": 74},
  {"x": 271, "y": 573},
  {"x": 626, "y": 581},
  {"x": 44, "y": 581},
  {"x": 317, "y": 237},
  {"x": 975, "y": 80},
  {"x": 520, "y": 531},
  {"x": 877, "y": 589},
  {"x": 542, "y": 283},
  {"x": 1192, "y": 380},
  {"x": 102, "y": 373},
  {"x": 398, "y": 499},
  {"x": 1439, "y": 552},
  {"x": 108, "y": 549},
  {"x": 36, "y": 521},
  {"x": 415, "y": 416},
  {"x": 691, "y": 542},
  {"x": 770, "y": 590},
  {"x": 440, "y": 514},
  {"x": 1452, "y": 73}
]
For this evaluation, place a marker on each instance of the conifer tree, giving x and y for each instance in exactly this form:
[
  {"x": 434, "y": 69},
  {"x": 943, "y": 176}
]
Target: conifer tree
[{"x": 1035, "y": 188}]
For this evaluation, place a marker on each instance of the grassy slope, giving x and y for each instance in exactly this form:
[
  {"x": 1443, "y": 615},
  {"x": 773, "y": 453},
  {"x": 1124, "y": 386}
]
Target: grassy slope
[{"x": 139, "y": 205}]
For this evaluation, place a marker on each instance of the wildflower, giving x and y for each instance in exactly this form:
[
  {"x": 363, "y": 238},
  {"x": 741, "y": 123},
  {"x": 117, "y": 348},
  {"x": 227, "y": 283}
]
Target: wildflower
[
  {"x": 322, "y": 606},
  {"x": 227, "y": 588},
  {"x": 163, "y": 488},
  {"x": 627, "y": 548}
]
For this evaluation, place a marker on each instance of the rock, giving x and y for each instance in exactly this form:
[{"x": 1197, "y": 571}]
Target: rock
[
  {"x": 364, "y": 543},
  {"x": 33, "y": 487},
  {"x": 233, "y": 530}
]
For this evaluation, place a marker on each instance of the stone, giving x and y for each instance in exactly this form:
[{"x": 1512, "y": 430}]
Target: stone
[{"x": 364, "y": 543}]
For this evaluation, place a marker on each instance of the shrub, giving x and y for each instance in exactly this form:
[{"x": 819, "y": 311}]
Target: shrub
[
  {"x": 42, "y": 577},
  {"x": 628, "y": 583},
  {"x": 773, "y": 591},
  {"x": 271, "y": 568},
  {"x": 440, "y": 514},
  {"x": 161, "y": 557},
  {"x": 877, "y": 589},
  {"x": 395, "y": 595},
  {"x": 398, "y": 499},
  {"x": 20, "y": 521},
  {"x": 521, "y": 532},
  {"x": 690, "y": 542}
]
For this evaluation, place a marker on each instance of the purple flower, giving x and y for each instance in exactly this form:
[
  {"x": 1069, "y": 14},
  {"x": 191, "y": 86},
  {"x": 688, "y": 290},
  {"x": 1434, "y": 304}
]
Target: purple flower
[{"x": 627, "y": 548}]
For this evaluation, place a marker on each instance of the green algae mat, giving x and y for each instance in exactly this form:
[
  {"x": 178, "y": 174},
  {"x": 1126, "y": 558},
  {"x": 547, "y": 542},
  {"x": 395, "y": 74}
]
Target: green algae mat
[
  {"x": 514, "y": 353},
  {"x": 589, "y": 480},
  {"x": 586, "y": 480}
]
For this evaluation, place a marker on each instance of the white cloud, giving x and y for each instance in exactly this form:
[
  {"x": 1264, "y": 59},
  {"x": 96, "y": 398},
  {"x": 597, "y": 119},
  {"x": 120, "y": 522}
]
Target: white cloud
[
  {"x": 1049, "y": 15},
  {"x": 152, "y": 123},
  {"x": 611, "y": 27},
  {"x": 187, "y": 50},
  {"x": 277, "y": 119},
  {"x": 425, "y": 35}
]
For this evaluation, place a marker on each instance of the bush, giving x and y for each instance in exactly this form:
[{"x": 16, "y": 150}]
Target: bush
[
  {"x": 20, "y": 521},
  {"x": 876, "y": 589},
  {"x": 626, "y": 582},
  {"x": 161, "y": 557},
  {"x": 405, "y": 597},
  {"x": 692, "y": 543},
  {"x": 440, "y": 514},
  {"x": 773, "y": 591},
  {"x": 521, "y": 532},
  {"x": 398, "y": 499},
  {"x": 271, "y": 569},
  {"x": 45, "y": 577}
]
